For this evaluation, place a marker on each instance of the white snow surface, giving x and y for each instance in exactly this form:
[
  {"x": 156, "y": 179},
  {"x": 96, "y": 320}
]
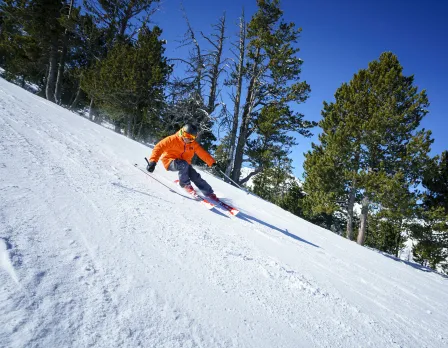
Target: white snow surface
[{"x": 94, "y": 253}]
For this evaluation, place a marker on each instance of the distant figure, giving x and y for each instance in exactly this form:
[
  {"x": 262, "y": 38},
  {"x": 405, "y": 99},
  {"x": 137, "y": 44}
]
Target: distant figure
[{"x": 176, "y": 152}]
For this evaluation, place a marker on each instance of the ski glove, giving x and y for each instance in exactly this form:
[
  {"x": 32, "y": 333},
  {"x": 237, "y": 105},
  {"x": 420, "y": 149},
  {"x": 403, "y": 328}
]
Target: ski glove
[
  {"x": 216, "y": 166},
  {"x": 151, "y": 166}
]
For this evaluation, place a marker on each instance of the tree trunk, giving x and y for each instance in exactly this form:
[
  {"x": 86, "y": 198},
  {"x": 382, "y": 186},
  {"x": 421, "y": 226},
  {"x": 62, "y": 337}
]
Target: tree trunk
[
  {"x": 239, "y": 151},
  {"x": 127, "y": 16},
  {"x": 129, "y": 132},
  {"x": 91, "y": 111},
  {"x": 74, "y": 104},
  {"x": 58, "y": 91},
  {"x": 363, "y": 224},
  {"x": 239, "y": 85},
  {"x": 248, "y": 105},
  {"x": 351, "y": 204},
  {"x": 98, "y": 118},
  {"x": 117, "y": 128},
  {"x": 139, "y": 132},
  {"x": 215, "y": 71},
  {"x": 52, "y": 71},
  {"x": 398, "y": 238}
]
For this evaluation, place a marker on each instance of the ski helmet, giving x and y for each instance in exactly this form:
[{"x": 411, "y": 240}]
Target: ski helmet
[{"x": 190, "y": 129}]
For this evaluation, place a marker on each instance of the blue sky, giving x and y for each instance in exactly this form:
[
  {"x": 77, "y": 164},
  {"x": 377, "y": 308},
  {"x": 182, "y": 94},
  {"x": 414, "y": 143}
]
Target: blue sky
[{"x": 338, "y": 39}]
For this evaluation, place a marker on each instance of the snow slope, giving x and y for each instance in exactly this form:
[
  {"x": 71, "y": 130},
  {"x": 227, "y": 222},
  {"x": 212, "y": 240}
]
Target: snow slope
[{"x": 95, "y": 253}]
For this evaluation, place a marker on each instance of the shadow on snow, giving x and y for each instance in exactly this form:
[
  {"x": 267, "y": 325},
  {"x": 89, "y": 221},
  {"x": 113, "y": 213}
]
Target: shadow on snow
[
  {"x": 241, "y": 215},
  {"x": 413, "y": 264},
  {"x": 249, "y": 218}
]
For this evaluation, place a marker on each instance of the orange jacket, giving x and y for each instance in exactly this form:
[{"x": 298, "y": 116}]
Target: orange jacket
[{"x": 173, "y": 147}]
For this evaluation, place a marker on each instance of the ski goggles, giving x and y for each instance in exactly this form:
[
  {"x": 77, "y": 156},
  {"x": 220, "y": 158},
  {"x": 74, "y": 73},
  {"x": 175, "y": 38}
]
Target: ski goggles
[{"x": 186, "y": 135}]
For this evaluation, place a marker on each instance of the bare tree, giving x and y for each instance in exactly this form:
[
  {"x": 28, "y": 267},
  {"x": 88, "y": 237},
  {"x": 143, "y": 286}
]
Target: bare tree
[
  {"x": 194, "y": 96},
  {"x": 213, "y": 61},
  {"x": 237, "y": 81}
]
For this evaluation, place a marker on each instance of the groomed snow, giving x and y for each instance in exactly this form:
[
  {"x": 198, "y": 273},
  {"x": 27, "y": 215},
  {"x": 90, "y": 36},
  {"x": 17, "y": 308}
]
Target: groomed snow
[{"x": 94, "y": 253}]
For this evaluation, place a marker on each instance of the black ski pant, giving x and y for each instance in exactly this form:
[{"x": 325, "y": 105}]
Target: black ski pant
[{"x": 187, "y": 173}]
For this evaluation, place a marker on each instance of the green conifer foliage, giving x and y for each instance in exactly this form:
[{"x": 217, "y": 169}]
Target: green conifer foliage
[
  {"x": 430, "y": 230},
  {"x": 272, "y": 85},
  {"x": 274, "y": 183},
  {"x": 29, "y": 37},
  {"x": 371, "y": 150},
  {"x": 129, "y": 82}
]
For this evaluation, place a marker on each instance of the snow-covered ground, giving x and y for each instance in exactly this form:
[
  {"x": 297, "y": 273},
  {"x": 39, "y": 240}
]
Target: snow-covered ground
[{"x": 95, "y": 253}]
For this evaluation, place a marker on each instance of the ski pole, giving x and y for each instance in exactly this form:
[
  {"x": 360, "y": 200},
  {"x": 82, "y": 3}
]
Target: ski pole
[{"x": 231, "y": 180}]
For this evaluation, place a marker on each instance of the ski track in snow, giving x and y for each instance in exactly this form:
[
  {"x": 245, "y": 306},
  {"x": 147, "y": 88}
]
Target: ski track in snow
[{"x": 93, "y": 253}]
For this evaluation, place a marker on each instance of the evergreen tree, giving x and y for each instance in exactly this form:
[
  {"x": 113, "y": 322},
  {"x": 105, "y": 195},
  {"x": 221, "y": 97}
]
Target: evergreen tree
[
  {"x": 272, "y": 143},
  {"x": 386, "y": 233},
  {"x": 30, "y": 35},
  {"x": 44, "y": 23},
  {"x": 431, "y": 236},
  {"x": 221, "y": 153},
  {"x": 430, "y": 230},
  {"x": 435, "y": 181},
  {"x": 129, "y": 83},
  {"x": 120, "y": 19},
  {"x": 274, "y": 183},
  {"x": 20, "y": 53},
  {"x": 371, "y": 151},
  {"x": 88, "y": 48},
  {"x": 292, "y": 199},
  {"x": 49, "y": 44},
  {"x": 65, "y": 44},
  {"x": 271, "y": 81}
]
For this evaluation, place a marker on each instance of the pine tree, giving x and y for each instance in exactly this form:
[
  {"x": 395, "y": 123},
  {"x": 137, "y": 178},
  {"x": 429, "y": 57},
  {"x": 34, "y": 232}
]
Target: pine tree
[
  {"x": 119, "y": 22},
  {"x": 292, "y": 199},
  {"x": 371, "y": 151},
  {"x": 129, "y": 83},
  {"x": 89, "y": 47},
  {"x": 31, "y": 30},
  {"x": 20, "y": 53},
  {"x": 271, "y": 147},
  {"x": 436, "y": 182},
  {"x": 44, "y": 23},
  {"x": 270, "y": 78},
  {"x": 66, "y": 23},
  {"x": 274, "y": 183},
  {"x": 120, "y": 19},
  {"x": 430, "y": 230}
]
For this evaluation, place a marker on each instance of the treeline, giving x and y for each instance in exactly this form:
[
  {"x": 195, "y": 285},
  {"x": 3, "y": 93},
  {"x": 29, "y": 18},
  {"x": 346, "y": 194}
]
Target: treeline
[
  {"x": 105, "y": 61},
  {"x": 372, "y": 155}
]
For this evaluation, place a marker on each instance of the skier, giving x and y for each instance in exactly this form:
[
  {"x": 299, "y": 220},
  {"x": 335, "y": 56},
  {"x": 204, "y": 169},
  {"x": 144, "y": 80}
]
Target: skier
[{"x": 176, "y": 152}]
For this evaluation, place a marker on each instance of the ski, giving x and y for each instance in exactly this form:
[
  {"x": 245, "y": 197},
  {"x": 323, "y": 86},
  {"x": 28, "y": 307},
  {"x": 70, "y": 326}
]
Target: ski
[
  {"x": 231, "y": 210},
  {"x": 196, "y": 196},
  {"x": 204, "y": 202},
  {"x": 209, "y": 204}
]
